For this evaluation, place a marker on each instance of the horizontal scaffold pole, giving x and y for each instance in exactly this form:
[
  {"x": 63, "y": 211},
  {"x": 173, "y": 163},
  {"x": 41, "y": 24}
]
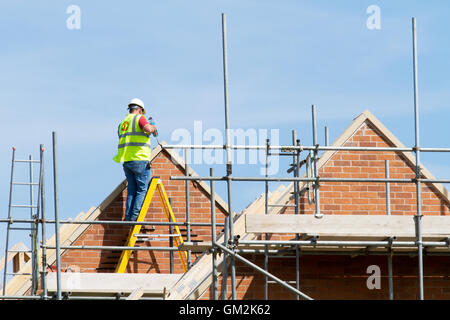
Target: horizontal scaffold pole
[
  {"x": 317, "y": 179},
  {"x": 346, "y": 243},
  {"x": 295, "y": 148},
  {"x": 125, "y": 223}
]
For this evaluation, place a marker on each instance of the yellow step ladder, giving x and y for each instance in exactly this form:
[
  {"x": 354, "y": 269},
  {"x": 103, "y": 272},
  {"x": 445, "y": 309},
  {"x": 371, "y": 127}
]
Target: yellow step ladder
[{"x": 155, "y": 184}]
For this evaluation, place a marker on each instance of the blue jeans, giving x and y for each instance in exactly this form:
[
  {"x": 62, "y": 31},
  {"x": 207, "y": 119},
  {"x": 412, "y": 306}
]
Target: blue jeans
[{"x": 138, "y": 177}]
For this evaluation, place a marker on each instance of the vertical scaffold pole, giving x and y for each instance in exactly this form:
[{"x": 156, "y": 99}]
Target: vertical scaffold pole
[
  {"x": 418, "y": 216},
  {"x": 213, "y": 236},
  {"x": 316, "y": 171},
  {"x": 33, "y": 234},
  {"x": 43, "y": 229},
  {"x": 296, "y": 158},
  {"x": 188, "y": 206},
  {"x": 9, "y": 223},
  {"x": 266, "y": 211},
  {"x": 56, "y": 199},
  {"x": 228, "y": 155},
  {"x": 171, "y": 267},
  {"x": 388, "y": 212}
]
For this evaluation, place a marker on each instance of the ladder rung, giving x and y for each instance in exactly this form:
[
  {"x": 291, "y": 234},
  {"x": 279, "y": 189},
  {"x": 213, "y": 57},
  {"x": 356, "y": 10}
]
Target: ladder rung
[
  {"x": 15, "y": 274},
  {"x": 14, "y": 228},
  {"x": 26, "y": 183},
  {"x": 293, "y": 281},
  {"x": 20, "y": 251},
  {"x": 141, "y": 235},
  {"x": 34, "y": 161},
  {"x": 22, "y": 206},
  {"x": 153, "y": 239}
]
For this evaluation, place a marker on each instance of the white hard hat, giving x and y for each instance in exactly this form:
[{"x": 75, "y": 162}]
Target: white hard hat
[{"x": 137, "y": 102}]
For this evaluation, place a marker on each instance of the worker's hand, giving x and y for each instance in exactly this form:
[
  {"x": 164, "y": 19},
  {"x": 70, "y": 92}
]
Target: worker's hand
[{"x": 152, "y": 123}]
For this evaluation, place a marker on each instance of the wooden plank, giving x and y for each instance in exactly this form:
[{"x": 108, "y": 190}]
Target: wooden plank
[
  {"x": 137, "y": 294},
  {"x": 348, "y": 226},
  {"x": 107, "y": 284},
  {"x": 19, "y": 260},
  {"x": 13, "y": 252}
]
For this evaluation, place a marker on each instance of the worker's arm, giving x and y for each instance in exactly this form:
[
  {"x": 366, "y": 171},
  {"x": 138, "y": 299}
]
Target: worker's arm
[
  {"x": 146, "y": 126},
  {"x": 149, "y": 128}
]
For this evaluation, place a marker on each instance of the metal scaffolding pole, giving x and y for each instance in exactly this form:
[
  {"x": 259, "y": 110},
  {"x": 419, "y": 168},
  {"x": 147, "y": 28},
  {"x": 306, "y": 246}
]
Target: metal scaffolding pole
[
  {"x": 228, "y": 154},
  {"x": 306, "y": 148},
  {"x": 388, "y": 212},
  {"x": 362, "y": 252},
  {"x": 266, "y": 211},
  {"x": 125, "y": 223},
  {"x": 188, "y": 207},
  {"x": 56, "y": 200},
  {"x": 114, "y": 248},
  {"x": 171, "y": 267},
  {"x": 213, "y": 237},
  {"x": 43, "y": 227},
  {"x": 296, "y": 159},
  {"x": 317, "y": 214},
  {"x": 32, "y": 229},
  {"x": 349, "y": 243},
  {"x": 291, "y": 179},
  {"x": 418, "y": 216},
  {"x": 9, "y": 219}
]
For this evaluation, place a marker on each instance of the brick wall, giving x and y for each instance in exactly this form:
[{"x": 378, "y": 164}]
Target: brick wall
[{"x": 342, "y": 277}]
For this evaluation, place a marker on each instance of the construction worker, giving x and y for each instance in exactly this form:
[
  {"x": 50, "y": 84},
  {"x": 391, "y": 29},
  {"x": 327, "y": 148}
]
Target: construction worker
[{"x": 134, "y": 151}]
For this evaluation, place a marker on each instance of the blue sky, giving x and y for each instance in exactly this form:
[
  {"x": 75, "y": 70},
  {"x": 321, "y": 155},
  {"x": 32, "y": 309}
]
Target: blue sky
[{"x": 283, "y": 57}]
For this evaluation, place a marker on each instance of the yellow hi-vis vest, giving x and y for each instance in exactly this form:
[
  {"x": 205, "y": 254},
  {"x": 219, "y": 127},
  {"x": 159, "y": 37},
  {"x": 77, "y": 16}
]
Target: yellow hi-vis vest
[{"x": 134, "y": 143}]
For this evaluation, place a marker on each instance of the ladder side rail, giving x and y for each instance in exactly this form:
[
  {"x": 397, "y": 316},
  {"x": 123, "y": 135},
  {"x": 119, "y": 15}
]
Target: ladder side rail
[{"x": 8, "y": 224}]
